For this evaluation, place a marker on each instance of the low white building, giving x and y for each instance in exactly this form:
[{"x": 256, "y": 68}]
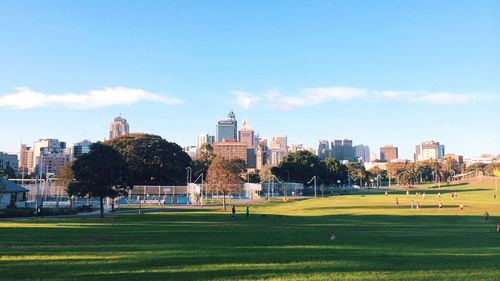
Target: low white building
[{"x": 11, "y": 194}]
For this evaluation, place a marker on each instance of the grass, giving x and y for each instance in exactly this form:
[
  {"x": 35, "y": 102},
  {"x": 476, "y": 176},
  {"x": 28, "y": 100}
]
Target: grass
[{"x": 376, "y": 240}]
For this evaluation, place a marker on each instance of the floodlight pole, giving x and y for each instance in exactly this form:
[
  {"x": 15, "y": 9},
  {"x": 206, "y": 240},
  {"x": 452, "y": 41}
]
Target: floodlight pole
[{"x": 313, "y": 178}]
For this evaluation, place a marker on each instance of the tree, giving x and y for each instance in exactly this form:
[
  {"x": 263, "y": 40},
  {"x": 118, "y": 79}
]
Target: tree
[
  {"x": 66, "y": 177},
  {"x": 300, "y": 167},
  {"x": 152, "y": 160},
  {"x": 335, "y": 171},
  {"x": 223, "y": 176},
  {"x": 201, "y": 164},
  {"x": 357, "y": 171},
  {"x": 100, "y": 173},
  {"x": 8, "y": 173}
]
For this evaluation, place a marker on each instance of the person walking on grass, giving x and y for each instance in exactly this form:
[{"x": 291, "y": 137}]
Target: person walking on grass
[
  {"x": 233, "y": 212},
  {"x": 498, "y": 227},
  {"x": 397, "y": 201},
  {"x": 486, "y": 216},
  {"x": 248, "y": 212}
]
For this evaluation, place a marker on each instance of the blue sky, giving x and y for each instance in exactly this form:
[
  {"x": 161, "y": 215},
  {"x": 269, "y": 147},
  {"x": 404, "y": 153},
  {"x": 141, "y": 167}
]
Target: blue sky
[{"x": 377, "y": 72}]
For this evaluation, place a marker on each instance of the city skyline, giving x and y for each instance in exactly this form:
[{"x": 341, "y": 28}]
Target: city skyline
[{"x": 375, "y": 73}]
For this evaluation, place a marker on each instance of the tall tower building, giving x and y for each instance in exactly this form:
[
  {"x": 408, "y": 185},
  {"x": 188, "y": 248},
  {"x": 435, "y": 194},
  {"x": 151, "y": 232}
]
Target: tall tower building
[
  {"x": 118, "y": 127},
  {"x": 246, "y": 135},
  {"x": 428, "y": 150},
  {"x": 227, "y": 129},
  {"x": 343, "y": 150},
  {"x": 323, "y": 148},
  {"x": 388, "y": 153},
  {"x": 204, "y": 139},
  {"x": 362, "y": 152},
  {"x": 43, "y": 148}
]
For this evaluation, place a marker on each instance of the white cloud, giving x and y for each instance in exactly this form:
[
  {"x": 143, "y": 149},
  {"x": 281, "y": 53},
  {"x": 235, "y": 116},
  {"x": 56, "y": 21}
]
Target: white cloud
[
  {"x": 316, "y": 96},
  {"x": 25, "y": 98},
  {"x": 313, "y": 96},
  {"x": 443, "y": 98},
  {"x": 245, "y": 99}
]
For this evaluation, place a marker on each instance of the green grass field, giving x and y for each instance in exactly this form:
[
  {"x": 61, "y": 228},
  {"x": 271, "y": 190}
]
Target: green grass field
[{"x": 376, "y": 240}]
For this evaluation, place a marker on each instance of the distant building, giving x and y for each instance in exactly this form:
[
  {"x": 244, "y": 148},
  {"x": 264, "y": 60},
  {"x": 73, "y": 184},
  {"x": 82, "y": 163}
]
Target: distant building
[
  {"x": 458, "y": 158},
  {"x": 79, "y": 149},
  {"x": 24, "y": 155},
  {"x": 246, "y": 135},
  {"x": 118, "y": 127},
  {"x": 343, "y": 150},
  {"x": 373, "y": 157},
  {"x": 45, "y": 147},
  {"x": 276, "y": 155},
  {"x": 192, "y": 151},
  {"x": 388, "y": 153},
  {"x": 323, "y": 147},
  {"x": 227, "y": 129},
  {"x": 231, "y": 150},
  {"x": 362, "y": 152},
  {"x": 204, "y": 139},
  {"x": 279, "y": 141},
  {"x": 262, "y": 154},
  {"x": 429, "y": 150},
  {"x": 483, "y": 159},
  {"x": 8, "y": 160},
  {"x": 51, "y": 163}
]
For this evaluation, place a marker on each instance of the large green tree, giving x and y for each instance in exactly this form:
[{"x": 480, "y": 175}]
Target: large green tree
[
  {"x": 300, "y": 167},
  {"x": 152, "y": 160},
  {"x": 200, "y": 165},
  {"x": 100, "y": 173}
]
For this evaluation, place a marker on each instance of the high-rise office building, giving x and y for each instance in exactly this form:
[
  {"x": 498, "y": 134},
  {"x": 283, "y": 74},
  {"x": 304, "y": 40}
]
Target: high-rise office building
[
  {"x": 323, "y": 147},
  {"x": 231, "y": 150},
  {"x": 79, "y": 149},
  {"x": 227, "y": 129},
  {"x": 362, "y": 152},
  {"x": 428, "y": 150},
  {"x": 280, "y": 141},
  {"x": 118, "y": 127},
  {"x": 262, "y": 154},
  {"x": 246, "y": 135},
  {"x": 342, "y": 150},
  {"x": 24, "y": 155},
  {"x": 388, "y": 153},
  {"x": 204, "y": 139},
  {"x": 45, "y": 147}
]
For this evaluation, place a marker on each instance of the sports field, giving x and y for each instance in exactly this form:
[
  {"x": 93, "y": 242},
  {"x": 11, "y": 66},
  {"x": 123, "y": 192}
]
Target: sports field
[{"x": 375, "y": 240}]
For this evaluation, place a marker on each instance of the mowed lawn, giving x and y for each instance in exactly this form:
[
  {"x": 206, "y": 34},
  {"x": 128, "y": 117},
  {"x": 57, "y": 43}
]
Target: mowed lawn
[{"x": 376, "y": 240}]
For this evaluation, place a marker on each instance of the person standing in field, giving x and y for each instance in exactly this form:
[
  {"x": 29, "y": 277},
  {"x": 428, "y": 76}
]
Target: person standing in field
[
  {"x": 411, "y": 203},
  {"x": 486, "y": 216},
  {"x": 461, "y": 207},
  {"x": 248, "y": 212},
  {"x": 397, "y": 201},
  {"x": 233, "y": 212},
  {"x": 440, "y": 205}
]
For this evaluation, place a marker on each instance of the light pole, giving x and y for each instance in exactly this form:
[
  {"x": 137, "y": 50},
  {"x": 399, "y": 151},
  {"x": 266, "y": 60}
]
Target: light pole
[
  {"x": 188, "y": 180},
  {"x": 313, "y": 178},
  {"x": 399, "y": 175},
  {"x": 201, "y": 188}
]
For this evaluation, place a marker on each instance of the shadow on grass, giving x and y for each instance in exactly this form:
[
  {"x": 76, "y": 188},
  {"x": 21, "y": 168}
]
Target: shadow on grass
[{"x": 208, "y": 246}]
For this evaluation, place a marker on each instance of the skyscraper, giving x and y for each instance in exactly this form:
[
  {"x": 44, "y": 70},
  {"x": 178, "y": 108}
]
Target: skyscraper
[
  {"x": 388, "y": 153},
  {"x": 45, "y": 147},
  {"x": 362, "y": 152},
  {"x": 428, "y": 150},
  {"x": 204, "y": 139},
  {"x": 227, "y": 129},
  {"x": 246, "y": 135},
  {"x": 118, "y": 127},
  {"x": 343, "y": 150},
  {"x": 323, "y": 146}
]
